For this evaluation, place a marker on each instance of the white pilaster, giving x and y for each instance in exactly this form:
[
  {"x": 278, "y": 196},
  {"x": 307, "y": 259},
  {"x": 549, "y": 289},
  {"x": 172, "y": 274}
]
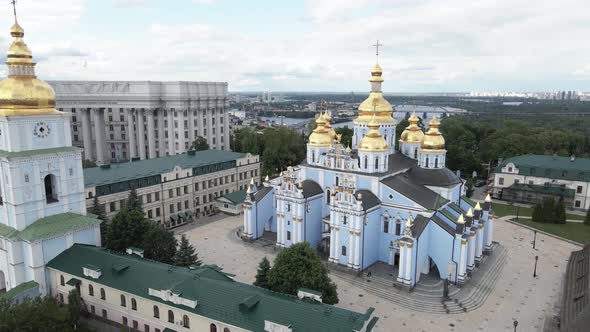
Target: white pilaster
[
  {"x": 358, "y": 252},
  {"x": 489, "y": 234},
  {"x": 408, "y": 262},
  {"x": 479, "y": 246},
  {"x": 161, "y": 138},
  {"x": 171, "y": 133},
  {"x": 471, "y": 249},
  {"x": 151, "y": 134},
  {"x": 99, "y": 127},
  {"x": 141, "y": 134},
  {"x": 86, "y": 133},
  {"x": 131, "y": 133},
  {"x": 402, "y": 260}
]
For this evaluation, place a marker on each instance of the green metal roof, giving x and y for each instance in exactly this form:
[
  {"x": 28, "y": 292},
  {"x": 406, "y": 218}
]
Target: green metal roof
[
  {"x": 115, "y": 173},
  {"x": 468, "y": 201},
  {"x": 236, "y": 197},
  {"x": 25, "y": 286},
  {"x": 50, "y": 226},
  {"x": 28, "y": 153},
  {"x": 552, "y": 167},
  {"x": 218, "y": 296}
]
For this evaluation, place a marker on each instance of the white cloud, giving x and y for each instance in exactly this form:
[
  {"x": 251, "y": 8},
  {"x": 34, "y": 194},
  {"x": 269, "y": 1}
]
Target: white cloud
[{"x": 428, "y": 46}]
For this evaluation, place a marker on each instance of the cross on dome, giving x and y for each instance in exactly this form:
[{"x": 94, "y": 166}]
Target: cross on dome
[{"x": 377, "y": 44}]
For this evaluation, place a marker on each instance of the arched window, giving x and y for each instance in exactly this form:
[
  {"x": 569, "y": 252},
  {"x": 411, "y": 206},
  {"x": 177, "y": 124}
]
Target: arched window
[
  {"x": 133, "y": 304},
  {"x": 337, "y": 181},
  {"x": 90, "y": 290},
  {"x": 185, "y": 321},
  {"x": 436, "y": 162},
  {"x": 62, "y": 281},
  {"x": 416, "y": 153},
  {"x": 398, "y": 227},
  {"x": 343, "y": 250},
  {"x": 212, "y": 328},
  {"x": 328, "y": 196},
  {"x": 123, "y": 301},
  {"x": 377, "y": 162},
  {"x": 313, "y": 156},
  {"x": 50, "y": 188},
  {"x": 225, "y": 329},
  {"x": 426, "y": 164},
  {"x": 103, "y": 295},
  {"x": 156, "y": 312},
  {"x": 385, "y": 225},
  {"x": 170, "y": 316},
  {"x": 366, "y": 162}
]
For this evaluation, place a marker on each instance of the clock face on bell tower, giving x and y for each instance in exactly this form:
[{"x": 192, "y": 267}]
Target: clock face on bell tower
[{"x": 41, "y": 130}]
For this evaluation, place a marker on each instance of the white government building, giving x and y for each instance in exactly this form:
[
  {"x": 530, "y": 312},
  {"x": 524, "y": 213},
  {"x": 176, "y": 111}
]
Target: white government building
[{"x": 122, "y": 120}]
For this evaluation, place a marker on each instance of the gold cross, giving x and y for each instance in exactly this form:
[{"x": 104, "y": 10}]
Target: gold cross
[
  {"x": 377, "y": 44},
  {"x": 13, "y": 2}
]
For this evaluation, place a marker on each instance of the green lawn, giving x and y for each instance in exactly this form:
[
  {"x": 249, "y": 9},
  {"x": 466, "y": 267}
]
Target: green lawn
[
  {"x": 502, "y": 210},
  {"x": 574, "y": 231}
]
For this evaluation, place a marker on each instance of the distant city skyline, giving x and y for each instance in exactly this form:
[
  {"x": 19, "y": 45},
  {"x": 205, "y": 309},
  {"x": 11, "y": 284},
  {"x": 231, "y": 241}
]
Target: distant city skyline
[{"x": 428, "y": 46}]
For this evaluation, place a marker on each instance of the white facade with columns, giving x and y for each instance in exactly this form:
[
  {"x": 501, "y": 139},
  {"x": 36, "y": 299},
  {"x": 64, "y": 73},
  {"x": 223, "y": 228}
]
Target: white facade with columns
[{"x": 121, "y": 120}]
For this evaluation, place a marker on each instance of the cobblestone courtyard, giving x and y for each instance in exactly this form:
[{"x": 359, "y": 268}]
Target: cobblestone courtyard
[{"x": 516, "y": 295}]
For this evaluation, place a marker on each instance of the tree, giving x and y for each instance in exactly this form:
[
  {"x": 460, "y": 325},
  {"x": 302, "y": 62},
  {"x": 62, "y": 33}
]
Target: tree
[
  {"x": 159, "y": 244},
  {"x": 262, "y": 273},
  {"x": 98, "y": 210},
  {"x": 347, "y": 134},
  {"x": 587, "y": 219},
  {"x": 299, "y": 266},
  {"x": 199, "y": 144},
  {"x": 186, "y": 255},
  {"x": 559, "y": 213},
  {"x": 38, "y": 314},
  {"x": 538, "y": 213},
  {"x": 127, "y": 229},
  {"x": 133, "y": 201},
  {"x": 86, "y": 163},
  {"x": 74, "y": 307},
  {"x": 470, "y": 186}
]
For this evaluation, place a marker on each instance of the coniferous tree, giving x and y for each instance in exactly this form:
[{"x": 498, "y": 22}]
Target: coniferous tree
[
  {"x": 98, "y": 210},
  {"x": 74, "y": 307},
  {"x": 186, "y": 254},
  {"x": 587, "y": 219},
  {"x": 159, "y": 244},
  {"x": 262, "y": 273},
  {"x": 538, "y": 213},
  {"x": 133, "y": 201},
  {"x": 560, "y": 216},
  {"x": 299, "y": 266}
]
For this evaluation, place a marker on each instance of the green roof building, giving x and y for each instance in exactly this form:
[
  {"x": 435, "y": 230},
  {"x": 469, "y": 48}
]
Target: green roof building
[
  {"x": 145, "y": 293},
  {"x": 174, "y": 189},
  {"x": 532, "y": 178}
]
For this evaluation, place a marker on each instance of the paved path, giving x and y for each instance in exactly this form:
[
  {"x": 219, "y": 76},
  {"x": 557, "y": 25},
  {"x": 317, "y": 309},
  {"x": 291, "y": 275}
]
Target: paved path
[{"x": 514, "y": 295}]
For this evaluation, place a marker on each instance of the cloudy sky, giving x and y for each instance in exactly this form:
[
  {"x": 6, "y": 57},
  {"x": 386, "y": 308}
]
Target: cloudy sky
[{"x": 316, "y": 45}]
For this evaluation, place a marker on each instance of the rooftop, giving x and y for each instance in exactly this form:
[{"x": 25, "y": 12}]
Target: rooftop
[
  {"x": 219, "y": 297},
  {"x": 552, "y": 167},
  {"x": 50, "y": 226},
  {"x": 115, "y": 173},
  {"x": 236, "y": 197}
]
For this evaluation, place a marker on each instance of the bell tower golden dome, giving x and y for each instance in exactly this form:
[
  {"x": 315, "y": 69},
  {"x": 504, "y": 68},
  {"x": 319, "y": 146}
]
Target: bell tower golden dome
[{"x": 21, "y": 93}]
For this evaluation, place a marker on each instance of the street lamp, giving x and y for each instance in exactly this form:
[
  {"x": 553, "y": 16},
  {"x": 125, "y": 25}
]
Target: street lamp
[
  {"x": 535, "y": 271},
  {"x": 515, "y": 325},
  {"x": 534, "y": 238}
]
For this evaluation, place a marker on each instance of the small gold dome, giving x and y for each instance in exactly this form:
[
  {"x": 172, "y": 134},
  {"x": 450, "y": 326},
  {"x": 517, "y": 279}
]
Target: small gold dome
[
  {"x": 433, "y": 140},
  {"x": 22, "y": 93},
  {"x": 413, "y": 133},
  {"x": 320, "y": 135},
  {"x": 331, "y": 130},
  {"x": 373, "y": 141}
]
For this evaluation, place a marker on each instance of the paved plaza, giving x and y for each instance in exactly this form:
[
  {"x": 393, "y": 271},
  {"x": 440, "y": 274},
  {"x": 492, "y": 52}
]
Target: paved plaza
[{"x": 513, "y": 292}]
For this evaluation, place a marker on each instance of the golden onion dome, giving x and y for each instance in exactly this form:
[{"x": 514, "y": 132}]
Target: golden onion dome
[
  {"x": 331, "y": 130},
  {"x": 21, "y": 93},
  {"x": 375, "y": 104},
  {"x": 320, "y": 136},
  {"x": 413, "y": 133},
  {"x": 373, "y": 141},
  {"x": 433, "y": 139}
]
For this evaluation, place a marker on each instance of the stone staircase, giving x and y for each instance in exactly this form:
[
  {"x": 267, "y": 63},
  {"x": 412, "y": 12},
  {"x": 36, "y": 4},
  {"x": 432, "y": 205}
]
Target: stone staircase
[{"x": 427, "y": 295}]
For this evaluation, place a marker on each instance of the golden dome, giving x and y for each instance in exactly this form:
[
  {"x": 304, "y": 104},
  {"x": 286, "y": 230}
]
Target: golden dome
[
  {"x": 320, "y": 135},
  {"x": 413, "y": 133},
  {"x": 433, "y": 140},
  {"x": 22, "y": 93},
  {"x": 373, "y": 141},
  {"x": 331, "y": 130},
  {"x": 375, "y": 104}
]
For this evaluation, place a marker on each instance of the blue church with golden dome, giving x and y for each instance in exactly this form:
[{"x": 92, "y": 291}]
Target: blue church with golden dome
[{"x": 372, "y": 203}]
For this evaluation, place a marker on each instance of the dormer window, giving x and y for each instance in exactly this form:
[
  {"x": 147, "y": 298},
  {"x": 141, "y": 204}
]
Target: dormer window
[{"x": 91, "y": 271}]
